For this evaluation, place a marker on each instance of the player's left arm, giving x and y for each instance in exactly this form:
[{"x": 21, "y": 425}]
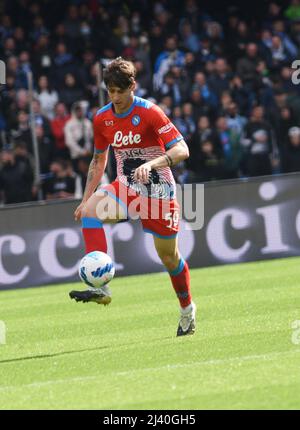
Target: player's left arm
[{"x": 172, "y": 156}]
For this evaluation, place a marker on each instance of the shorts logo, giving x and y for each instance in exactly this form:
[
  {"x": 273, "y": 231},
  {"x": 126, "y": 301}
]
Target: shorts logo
[
  {"x": 166, "y": 128},
  {"x": 135, "y": 120}
]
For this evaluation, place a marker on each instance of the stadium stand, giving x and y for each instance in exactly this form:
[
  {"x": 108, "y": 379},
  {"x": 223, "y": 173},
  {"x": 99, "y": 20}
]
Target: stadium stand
[{"x": 223, "y": 76}]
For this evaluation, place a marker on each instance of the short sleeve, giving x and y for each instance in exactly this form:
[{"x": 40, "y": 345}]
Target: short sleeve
[
  {"x": 100, "y": 141},
  {"x": 164, "y": 129}
]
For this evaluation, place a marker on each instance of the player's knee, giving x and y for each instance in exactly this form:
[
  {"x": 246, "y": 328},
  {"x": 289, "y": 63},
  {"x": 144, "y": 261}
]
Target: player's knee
[
  {"x": 86, "y": 212},
  {"x": 170, "y": 261}
]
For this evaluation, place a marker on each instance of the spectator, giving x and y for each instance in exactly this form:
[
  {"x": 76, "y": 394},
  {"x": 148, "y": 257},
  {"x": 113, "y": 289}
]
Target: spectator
[
  {"x": 172, "y": 56},
  {"x": 207, "y": 94},
  {"x": 295, "y": 32},
  {"x": 20, "y": 40},
  {"x": 207, "y": 52},
  {"x": 39, "y": 29},
  {"x": 279, "y": 53},
  {"x": 293, "y": 11},
  {"x": 45, "y": 148},
  {"x": 60, "y": 184},
  {"x": 241, "y": 95},
  {"x": 231, "y": 148},
  {"x": 286, "y": 81},
  {"x": 280, "y": 30},
  {"x": 179, "y": 122},
  {"x": 42, "y": 60},
  {"x": 143, "y": 79},
  {"x": 258, "y": 134},
  {"x": 291, "y": 154},
  {"x": 78, "y": 135},
  {"x": 246, "y": 66},
  {"x": 62, "y": 65},
  {"x": 172, "y": 87},
  {"x": 200, "y": 107},
  {"x": 14, "y": 69},
  {"x": 191, "y": 66},
  {"x": 83, "y": 169},
  {"x": 39, "y": 118},
  {"x": 47, "y": 97},
  {"x": 284, "y": 124},
  {"x": 208, "y": 163},
  {"x": 214, "y": 32},
  {"x": 274, "y": 13},
  {"x": 71, "y": 91},
  {"x": 203, "y": 133},
  {"x": 57, "y": 128},
  {"x": 235, "y": 121},
  {"x": 16, "y": 179},
  {"x": 72, "y": 24},
  {"x": 9, "y": 47},
  {"x": 219, "y": 81},
  {"x": 156, "y": 41},
  {"x": 238, "y": 40},
  {"x": 22, "y": 132},
  {"x": 188, "y": 116},
  {"x": 190, "y": 40}
]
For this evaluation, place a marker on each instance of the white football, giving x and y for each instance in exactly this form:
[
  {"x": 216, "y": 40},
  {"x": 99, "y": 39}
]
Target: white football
[{"x": 96, "y": 269}]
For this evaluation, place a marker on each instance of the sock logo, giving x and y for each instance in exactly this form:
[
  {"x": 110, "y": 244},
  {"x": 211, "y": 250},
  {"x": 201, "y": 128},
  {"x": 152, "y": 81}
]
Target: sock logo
[
  {"x": 183, "y": 295},
  {"x": 102, "y": 270}
]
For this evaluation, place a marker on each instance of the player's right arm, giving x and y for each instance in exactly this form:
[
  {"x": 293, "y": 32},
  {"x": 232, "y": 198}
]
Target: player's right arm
[
  {"x": 95, "y": 173},
  {"x": 97, "y": 165}
]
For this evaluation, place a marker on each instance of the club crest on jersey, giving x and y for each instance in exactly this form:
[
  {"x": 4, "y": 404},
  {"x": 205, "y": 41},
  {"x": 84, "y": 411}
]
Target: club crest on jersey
[{"x": 136, "y": 120}]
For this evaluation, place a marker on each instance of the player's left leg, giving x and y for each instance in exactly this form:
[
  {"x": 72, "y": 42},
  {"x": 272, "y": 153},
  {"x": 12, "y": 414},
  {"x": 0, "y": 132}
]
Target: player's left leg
[{"x": 178, "y": 269}]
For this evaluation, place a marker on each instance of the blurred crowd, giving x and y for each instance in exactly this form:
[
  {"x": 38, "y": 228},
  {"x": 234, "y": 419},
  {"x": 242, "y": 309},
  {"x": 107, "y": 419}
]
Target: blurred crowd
[{"x": 224, "y": 77}]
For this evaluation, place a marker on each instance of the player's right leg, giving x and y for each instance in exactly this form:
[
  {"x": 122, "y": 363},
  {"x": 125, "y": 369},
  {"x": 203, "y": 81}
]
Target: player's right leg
[{"x": 102, "y": 207}]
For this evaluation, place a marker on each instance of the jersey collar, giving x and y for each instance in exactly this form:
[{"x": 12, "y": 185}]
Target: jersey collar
[{"x": 128, "y": 112}]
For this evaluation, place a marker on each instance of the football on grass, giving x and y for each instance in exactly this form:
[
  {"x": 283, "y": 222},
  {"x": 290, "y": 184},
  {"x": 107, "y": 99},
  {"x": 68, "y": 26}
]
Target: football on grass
[{"x": 96, "y": 269}]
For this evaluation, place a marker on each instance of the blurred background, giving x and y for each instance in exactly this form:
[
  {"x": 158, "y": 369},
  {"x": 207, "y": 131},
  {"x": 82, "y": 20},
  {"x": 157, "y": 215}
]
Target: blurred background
[{"x": 220, "y": 70}]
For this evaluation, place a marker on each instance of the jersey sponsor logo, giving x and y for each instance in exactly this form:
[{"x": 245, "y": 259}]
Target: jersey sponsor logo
[
  {"x": 166, "y": 128},
  {"x": 136, "y": 120},
  {"x": 135, "y": 152},
  {"x": 108, "y": 123},
  {"x": 127, "y": 139}
]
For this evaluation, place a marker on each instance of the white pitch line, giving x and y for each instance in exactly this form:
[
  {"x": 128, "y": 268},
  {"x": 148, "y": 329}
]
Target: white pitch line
[{"x": 153, "y": 369}]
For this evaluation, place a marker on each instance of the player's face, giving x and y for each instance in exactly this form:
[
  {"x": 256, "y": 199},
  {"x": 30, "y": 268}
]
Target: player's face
[{"x": 120, "y": 98}]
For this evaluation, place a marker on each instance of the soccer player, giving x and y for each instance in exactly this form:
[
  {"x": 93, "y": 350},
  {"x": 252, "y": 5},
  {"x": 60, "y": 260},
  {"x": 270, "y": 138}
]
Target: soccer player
[{"x": 146, "y": 144}]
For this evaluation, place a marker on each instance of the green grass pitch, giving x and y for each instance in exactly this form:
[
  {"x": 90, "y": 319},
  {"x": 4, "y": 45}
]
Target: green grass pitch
[{"x": 60, "y": 354}]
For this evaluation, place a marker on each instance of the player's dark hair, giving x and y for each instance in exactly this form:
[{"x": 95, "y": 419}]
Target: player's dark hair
[{"x": 119, "y": 73}]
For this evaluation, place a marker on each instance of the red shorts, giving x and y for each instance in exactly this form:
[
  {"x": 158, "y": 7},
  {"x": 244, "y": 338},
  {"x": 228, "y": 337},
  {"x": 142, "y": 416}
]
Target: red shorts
[{"x": 159, "y": 216}]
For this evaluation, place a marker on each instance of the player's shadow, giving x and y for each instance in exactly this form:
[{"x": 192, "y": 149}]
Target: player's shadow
[{"x": 58, "y": 354}]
